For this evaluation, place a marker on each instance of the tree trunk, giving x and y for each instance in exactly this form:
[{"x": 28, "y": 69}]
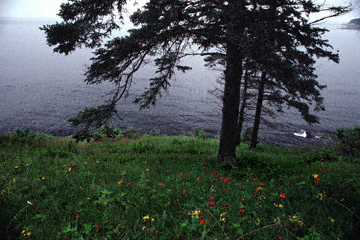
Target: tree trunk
[
  {"x": 243, "y": 105},
  {"x": 231, "y": 102},
  {"x": 257, "y": 119},
  {"x": 233, "y": 74}
]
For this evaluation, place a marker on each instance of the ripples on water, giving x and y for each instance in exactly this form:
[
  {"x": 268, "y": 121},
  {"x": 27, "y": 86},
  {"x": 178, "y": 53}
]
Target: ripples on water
[{"x": 41, "y": 89}]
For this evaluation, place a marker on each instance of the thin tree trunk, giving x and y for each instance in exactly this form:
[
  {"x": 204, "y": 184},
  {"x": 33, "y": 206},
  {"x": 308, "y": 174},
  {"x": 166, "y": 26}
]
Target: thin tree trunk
[
  {"x": 257, "y": 119},
  {"x": 243, "y": 105}
]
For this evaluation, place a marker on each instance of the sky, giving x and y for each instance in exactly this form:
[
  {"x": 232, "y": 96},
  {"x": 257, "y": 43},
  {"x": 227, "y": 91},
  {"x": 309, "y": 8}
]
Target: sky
[{"x": 49, "y": 8}]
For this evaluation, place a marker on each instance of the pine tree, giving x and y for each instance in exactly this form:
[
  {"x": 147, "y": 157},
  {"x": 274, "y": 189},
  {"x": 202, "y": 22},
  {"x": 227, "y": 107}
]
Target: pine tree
[{"x": 164, "y": 31}]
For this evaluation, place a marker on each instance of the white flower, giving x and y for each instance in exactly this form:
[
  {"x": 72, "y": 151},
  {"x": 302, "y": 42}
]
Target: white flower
[{"x": 29, "y": 203}]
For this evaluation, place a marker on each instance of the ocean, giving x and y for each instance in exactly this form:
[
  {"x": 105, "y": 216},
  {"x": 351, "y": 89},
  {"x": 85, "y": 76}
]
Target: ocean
[{"x": 40, "y": 89}]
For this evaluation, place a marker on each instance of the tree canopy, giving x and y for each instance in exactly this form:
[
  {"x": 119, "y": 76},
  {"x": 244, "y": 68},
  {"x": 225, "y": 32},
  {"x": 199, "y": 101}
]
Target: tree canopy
[{"x": 274, "y": 35}]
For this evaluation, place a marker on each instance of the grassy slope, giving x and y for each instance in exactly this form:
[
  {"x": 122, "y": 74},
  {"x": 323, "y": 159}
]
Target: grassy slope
[{"x": 164, "y": 187}]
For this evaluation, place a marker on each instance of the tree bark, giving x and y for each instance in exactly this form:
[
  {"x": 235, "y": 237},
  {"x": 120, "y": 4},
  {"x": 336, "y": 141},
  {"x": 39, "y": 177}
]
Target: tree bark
[
  {"x": 243, "y": 106},
  {"x": 259, "y": 103},
  {"x": 231, "y": 103}
]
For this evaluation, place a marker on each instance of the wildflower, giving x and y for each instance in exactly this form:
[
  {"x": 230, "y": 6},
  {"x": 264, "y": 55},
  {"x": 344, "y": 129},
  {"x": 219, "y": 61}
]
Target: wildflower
[
  {"x": 254, "y": 179},
  {"x": 146, "y": 218},
  {"x": 167, "y": 170},
  {"x": 181, "y": 174},
  {"x": 148, "y": 169},
  {"x": 210, "y": 198},
  {"x": 143, "y": 228},
  {"x": 222, "y": 217},
  {"x": 320, "y": 197},
  {"x": 257, "y": 222},
  {"x": 162, "y": 184},
  {"x": 282, "y": 195},
  {"x": 293, "y": 218},
  {"x": 331, "y": 219},
  {"x": 340, "y": 166},
  {"x": 277, "y": 220},
  {"x": 202, "y": 221},
  {"x": 279, "y": 237},
  {"x": 227, "y": 179},
  {"x": 30, "y": 203},
  {"x": 319, "y": 169},
  {"x": 242, "y": 211},
  {"x": 204, "y": 163},
  {"x": 85, "y": 163},
  {"x": 227, "y": 205},
  {"x": 97, "y": 228},
  {"x": 179, "y": 178},
  {"x": 128, "y": 184},
  {"x": 258, "y": 189},
  {"x": 124, "y": 172},
  {"x": 184, "y": 191},
  {"x": 293, "y": 171},
  {"x": 327, "y": 170},
  {"x": 196, "y": 213},
  {"x": 240, "y": 187},
  {"x": 211, "y": 204},
  {"x": 315, "y": 175},
  {"x": 14, "y": 180},
  {"x": 261, "y": 184},
  {"x": 197, "y": 178},
  {"x": 152, "y": 220},
  {"x": 279, "y": 175},
  {"x": 104, "y": 182},
  {"x": 190, "y": 172},
  {"x": 255, "y": 194},
  {"x": 81, "y": 188}
]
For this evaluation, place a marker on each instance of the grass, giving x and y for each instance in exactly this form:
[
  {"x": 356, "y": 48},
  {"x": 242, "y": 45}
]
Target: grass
[{"x": 162, "y": 187}]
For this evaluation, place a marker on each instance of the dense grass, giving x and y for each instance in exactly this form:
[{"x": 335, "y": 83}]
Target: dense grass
[{"x": 161, "y": 187}]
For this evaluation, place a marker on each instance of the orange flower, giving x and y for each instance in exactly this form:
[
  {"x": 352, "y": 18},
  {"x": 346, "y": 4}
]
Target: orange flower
[
  {"x": 162, "y": 184},
  {"x": 282, "y": 195},
  {"x": 202, "y": 221},
  {"x": 128, "y": 184},
  {"x": 197, "y": 178},
  {"x": 210, "y": 198},
  {"x": 167, "y": 170},
  {"x": 242, "y": 211},
  {"x": 184, "y": 191}
]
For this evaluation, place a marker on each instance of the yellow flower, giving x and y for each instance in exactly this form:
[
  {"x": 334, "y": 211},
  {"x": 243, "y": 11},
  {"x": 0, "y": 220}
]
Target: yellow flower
[
  {"x": 146, "y": 217},
  {"x": 341, "y": 200},
  {"x": 315, "y": 175},
  {"x": 152, "y": 220},
  {"x": 69, "y": 169},
  {"x": 277, "y": 220},
  {"x": 14, "y": 179},
  {"x": 280, "y": 205},
  {"x": 23, "y": 231},
  {"x": 143, "y": 228},
  {"x": 257, "y": 222},
  {"x": 148, "y": 169},
  {"x": 29, "y": 233},
  {"x": 331, "y": 219},
  {"x": 222, "y": 217},
  {"x": 293, "y": 218},
  {"x": 195, "y": 213},
  {"x": 85, "y": 162},
  {"x": 124, "y": 172},
  {"x": 321, "y": 197}
]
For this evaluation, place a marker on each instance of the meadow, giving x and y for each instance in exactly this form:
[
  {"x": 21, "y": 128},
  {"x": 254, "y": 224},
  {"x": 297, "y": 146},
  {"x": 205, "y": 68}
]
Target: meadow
[{"x": 129, "y": 186}]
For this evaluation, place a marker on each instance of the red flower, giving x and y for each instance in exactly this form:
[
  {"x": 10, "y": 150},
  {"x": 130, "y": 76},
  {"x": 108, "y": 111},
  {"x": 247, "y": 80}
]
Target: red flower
[
  {"x": 211, "y": 204},
  {"x": 242, "y": 211},
  {"x": 128, "y": 184},
  {"x": 97, "y": 228},
  {"x": 162, "y": 184},
  {"x": 167, "y": 170},
  {"x": 254, "y": 179},
  {"x": 293, "y": 171},
  {"x": 261, "y": 184},
  {"x": 240, "y": 187},
  {"x": 279, "y": 175},
  {"x": 204, "y": 163},
  {"x": 227, "y": 205},
  {"x": 184, "y": 191},
  {"x": 210, "y": 198},
  {"x": 340, "y": 166},
  {"x": 227, "y": 179},
  {"x": 202, "y": 221},
  {"x": 282, "y": 195},
  {"x": 190, "y": 172},
  {"x": 327, "y": 170},
  {"x": 197, "y": 178},
  {"x": 255, "y": 194},
  {"x": 104, "y": 182},
  {"x": 319, "y": 169}
]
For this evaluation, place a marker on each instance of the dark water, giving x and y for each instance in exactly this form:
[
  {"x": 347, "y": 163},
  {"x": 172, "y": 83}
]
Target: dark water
[{"x": 40, "y": 90}]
